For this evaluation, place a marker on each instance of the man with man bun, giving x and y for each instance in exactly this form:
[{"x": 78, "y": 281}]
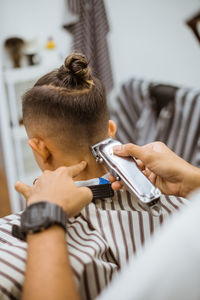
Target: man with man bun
[{"x": 65, "y": 113}]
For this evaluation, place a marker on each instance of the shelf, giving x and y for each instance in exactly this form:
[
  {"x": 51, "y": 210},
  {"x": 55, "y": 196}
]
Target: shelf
[
  {"x": 19, "y": 160},
  {"x": 12, "y": 76}
]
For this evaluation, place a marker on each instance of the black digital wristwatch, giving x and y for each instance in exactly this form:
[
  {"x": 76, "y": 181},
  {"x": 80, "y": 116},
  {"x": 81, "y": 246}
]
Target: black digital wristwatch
[{"x": 39, "y": 216}]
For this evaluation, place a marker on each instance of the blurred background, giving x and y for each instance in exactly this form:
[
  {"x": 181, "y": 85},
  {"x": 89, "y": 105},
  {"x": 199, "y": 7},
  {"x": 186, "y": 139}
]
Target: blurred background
[{"x": 146, "y": 52}]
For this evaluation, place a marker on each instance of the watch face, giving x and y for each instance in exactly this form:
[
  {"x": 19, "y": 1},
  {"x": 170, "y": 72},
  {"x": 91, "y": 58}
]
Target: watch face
[
  {"x": 42, "y": 215},
  {"x": 36, "y": 216}
]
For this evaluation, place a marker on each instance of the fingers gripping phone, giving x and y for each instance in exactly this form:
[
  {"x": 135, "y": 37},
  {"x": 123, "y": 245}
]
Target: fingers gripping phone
[{"x": 126, "y": 170}]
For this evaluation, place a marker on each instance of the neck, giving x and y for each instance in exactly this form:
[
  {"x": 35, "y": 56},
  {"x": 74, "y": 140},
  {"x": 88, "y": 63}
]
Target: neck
[{"x": 93, "y": 170}]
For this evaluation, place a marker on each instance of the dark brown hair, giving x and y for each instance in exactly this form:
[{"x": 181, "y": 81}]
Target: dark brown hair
[{"x": 68, "y": 102}]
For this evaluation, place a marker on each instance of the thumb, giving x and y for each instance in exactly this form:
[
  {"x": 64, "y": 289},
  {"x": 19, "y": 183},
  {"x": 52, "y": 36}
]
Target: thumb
[
  {"x": 86, "y": 195},
  {"x": 83, "y": 198},
  {"x": 128, "y": 150},
  {"x": 23, "y": 189}
]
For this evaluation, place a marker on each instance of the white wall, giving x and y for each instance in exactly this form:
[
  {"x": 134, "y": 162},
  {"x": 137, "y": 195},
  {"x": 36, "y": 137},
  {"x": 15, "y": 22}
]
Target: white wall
[
  {"x": 39, "y": 19},
  {"x": 148, "y": 38}
]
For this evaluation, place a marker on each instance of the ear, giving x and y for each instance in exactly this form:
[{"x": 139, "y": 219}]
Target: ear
[
  {"x": 39, "y": 147},
  {"x": 112, "y": 128}
]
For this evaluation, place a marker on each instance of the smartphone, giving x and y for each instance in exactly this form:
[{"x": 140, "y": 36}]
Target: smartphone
[{"x": 125, "y": 170}]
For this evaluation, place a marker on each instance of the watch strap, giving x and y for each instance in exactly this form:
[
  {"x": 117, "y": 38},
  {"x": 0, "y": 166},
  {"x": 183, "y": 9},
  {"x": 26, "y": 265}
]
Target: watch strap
[{"x": 16, "y": 232}]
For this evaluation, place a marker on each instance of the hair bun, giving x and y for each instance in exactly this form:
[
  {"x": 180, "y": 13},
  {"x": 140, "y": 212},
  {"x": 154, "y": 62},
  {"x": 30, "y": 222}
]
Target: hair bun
[{"x": 75, "y": 71}]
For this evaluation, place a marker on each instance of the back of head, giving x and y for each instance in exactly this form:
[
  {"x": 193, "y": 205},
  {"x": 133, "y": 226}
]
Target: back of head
[{"x": 67, "y": 105}]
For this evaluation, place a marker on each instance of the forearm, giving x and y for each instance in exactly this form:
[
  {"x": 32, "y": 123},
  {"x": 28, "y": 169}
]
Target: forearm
[
  {"x": 48, "y": 272},
  {"x": 191, "y": 180}
]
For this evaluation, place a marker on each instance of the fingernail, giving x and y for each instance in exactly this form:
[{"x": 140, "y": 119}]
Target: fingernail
[{"x": 117, "y": 148}]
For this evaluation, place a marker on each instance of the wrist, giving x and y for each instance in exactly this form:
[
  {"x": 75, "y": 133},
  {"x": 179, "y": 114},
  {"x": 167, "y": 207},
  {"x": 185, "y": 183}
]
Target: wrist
[
  {"x": 35, "y": 199},
  {"x": 55, "y": 232},
  {"x": 191, "y": 181}
]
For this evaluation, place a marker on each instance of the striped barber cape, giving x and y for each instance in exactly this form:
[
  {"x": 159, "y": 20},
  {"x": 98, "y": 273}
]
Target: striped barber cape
[
  {"x": 177, "y": 124},
  {"x": 100, "y": 241}
]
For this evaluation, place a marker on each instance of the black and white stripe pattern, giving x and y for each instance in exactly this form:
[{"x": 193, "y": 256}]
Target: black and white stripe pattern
[
  {"x": 178, "y": 123},
  {"x": 89, "y": 34},
  {"x": 100, "y": 241}
]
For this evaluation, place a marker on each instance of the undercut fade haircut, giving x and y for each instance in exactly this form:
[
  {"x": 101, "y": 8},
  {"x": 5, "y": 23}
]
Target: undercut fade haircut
[{"x": 68, "y": 103}]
